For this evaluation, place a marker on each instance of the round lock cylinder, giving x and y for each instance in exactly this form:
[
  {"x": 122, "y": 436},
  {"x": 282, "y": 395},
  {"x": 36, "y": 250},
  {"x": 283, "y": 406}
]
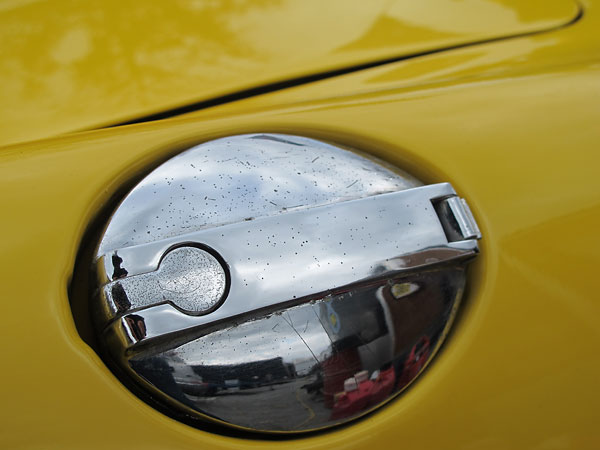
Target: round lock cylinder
[{"x": 279, "y": 284}]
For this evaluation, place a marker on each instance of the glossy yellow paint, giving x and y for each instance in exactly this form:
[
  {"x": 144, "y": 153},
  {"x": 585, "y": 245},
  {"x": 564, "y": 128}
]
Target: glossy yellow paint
[
  {"x": 67, "y": 65},
  {"x": 575, "y": 44},
  {"x": 520, "y": 370},
  {"x": 520, "y": 142}
]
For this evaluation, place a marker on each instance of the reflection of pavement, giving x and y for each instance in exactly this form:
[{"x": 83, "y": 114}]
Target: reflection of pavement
[{"x": 275, "y": 407}]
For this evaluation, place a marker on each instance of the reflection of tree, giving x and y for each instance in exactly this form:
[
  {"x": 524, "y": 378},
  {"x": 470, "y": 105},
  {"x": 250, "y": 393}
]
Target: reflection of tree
[{"x": 390, "y": 30}]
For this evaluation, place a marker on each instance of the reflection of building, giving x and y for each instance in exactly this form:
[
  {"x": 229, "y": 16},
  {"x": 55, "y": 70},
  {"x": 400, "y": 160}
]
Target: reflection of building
[
  {"x": 357, "y": 334},
  {"x": 250, "y": 374},
  {"x": 415, "y": 306},
  {"x": 393, "y": 326}
]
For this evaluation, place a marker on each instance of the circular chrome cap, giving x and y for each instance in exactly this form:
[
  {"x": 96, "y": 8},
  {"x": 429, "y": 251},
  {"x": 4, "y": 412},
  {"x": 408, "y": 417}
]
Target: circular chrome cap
[{"x": 279, "y": 284}]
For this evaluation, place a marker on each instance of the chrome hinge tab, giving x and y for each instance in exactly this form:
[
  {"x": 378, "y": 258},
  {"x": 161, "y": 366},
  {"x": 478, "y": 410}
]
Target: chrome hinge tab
[{"x": 457, "y": 220}]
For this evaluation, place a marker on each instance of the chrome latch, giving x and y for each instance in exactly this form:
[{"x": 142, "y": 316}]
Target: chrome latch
[{"x": 457, "y": 220}]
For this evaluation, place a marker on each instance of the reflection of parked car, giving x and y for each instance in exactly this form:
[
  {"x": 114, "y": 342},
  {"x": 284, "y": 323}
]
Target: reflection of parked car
[
  {"x": 316, "y": 385},
  {"x": 499, "y": 97},
  {"x": 415, "y": 360},
  {"x": 364, "y": 392}
]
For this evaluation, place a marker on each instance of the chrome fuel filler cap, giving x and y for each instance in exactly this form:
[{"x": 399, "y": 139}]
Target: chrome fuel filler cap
[{"x": 276, "y": 283}]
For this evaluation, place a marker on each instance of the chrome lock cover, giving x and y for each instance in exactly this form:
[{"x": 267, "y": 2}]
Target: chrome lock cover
[{"x": 276, "y": 283}]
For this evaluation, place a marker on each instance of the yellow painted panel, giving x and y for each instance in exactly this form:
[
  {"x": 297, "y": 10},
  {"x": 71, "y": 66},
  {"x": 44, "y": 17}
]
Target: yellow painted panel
[
  {"x": 579, "y": 43},
  {"x": 513, "y": 125},
  {"x": 521, "y": 367},
  {"x": 68, "y": 65}
]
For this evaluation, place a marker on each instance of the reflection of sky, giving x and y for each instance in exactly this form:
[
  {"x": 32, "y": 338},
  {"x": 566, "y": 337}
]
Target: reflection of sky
[
  {"x": 296, "y": 335},
  {"x": 302, "y": 335},
  {"x": 227, "y": 181}
]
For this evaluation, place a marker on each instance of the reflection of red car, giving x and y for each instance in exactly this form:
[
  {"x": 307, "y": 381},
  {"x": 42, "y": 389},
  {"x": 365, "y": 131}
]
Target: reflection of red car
[
  {"x": 382, "y": 386},
  {"x": 369, "y": 393},
  {"x": 336, "y": 369},
  {"x": 415, "y": 361}
]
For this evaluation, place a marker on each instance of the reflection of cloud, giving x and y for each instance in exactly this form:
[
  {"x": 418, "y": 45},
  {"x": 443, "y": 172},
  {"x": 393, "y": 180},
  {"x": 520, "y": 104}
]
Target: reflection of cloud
[
  {"x": 455, "y": 16},
  {"x": 230, "y": 180},
  {"x": 262, "y": 339},
  {"x": 303, "y": 28},
  {"x": 73, "y": 45}
]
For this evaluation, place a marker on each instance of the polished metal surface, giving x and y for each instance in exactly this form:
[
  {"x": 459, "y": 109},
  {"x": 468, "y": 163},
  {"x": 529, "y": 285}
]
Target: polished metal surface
[
  {"x": 279, "y": 284},
  {"x": 309, "y": 366},
  {"x": 243, "y": 177},
  {"x": 288, "y": 257}
]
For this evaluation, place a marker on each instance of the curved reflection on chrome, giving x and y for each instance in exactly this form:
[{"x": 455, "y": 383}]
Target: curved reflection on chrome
[
  {"x": 313, "y": 365},
  {"x": 279, "y": 284}
]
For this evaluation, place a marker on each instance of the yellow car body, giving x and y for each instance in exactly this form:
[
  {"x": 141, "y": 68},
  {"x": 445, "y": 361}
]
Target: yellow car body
[{"x": 508, "y": 112}]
